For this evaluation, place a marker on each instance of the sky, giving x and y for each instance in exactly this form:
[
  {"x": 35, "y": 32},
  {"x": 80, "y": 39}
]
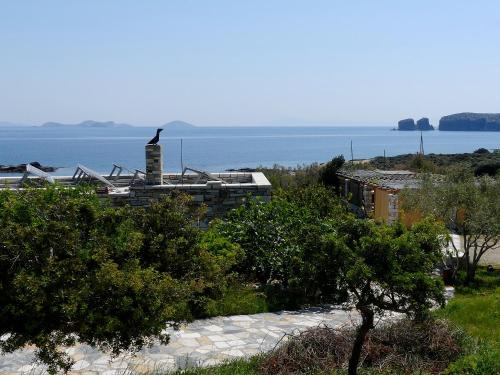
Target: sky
[{"x": 259, "y": 62}]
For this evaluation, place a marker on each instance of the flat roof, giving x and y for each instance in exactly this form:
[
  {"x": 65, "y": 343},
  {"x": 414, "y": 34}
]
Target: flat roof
[{"x": 170, "y": 180}]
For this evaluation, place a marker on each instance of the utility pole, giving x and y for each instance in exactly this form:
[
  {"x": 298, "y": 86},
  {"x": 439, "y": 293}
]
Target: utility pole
[
  {"x": 182, "y": 166},
  {"x": 421, "y": 151}
]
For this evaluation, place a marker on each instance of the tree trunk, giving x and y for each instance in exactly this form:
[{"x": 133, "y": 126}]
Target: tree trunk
[
  {"x": 366, "y": 324},
  {"x": 471, "y": 274},
  {"x": 467, "y": 264}
]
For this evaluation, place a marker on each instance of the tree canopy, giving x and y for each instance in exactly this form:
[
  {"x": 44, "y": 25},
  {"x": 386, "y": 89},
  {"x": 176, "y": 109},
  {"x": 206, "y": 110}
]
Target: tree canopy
[
  {"x": 281, "y": 241},
  {"x": 468, "y": 206},
  {"x": 73, "y": 269},
  {"x": 386, "y": 268}
]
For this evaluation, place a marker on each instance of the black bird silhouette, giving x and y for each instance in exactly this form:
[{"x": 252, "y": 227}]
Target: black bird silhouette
[{"x": 156, "y": 138}]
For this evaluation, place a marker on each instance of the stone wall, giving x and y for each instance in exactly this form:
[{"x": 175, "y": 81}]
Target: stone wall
[{"x": 219, "y": 197}]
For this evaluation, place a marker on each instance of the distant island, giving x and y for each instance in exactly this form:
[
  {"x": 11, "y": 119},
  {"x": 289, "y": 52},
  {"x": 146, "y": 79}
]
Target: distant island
[
  {"x": 178, "y": 125},
  {"x": 172, "y": 125},
  {"x": 409, "y": 124},
  {"x": 8, "y": 124},
  {"x": 466, "y": 121},
  {"x": 86, "y": 124},
  {"x": 470, "y": 122}
]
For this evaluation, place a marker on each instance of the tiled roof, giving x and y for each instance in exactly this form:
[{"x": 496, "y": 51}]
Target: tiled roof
[{"x": 395, "y": 180}]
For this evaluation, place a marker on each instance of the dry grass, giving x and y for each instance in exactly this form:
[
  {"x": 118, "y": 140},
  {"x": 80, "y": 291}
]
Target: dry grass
[{"x": 405, "y": 347}]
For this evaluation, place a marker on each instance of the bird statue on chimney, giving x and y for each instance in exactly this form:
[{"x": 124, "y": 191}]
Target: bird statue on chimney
[{"x": 156, "y": 138}]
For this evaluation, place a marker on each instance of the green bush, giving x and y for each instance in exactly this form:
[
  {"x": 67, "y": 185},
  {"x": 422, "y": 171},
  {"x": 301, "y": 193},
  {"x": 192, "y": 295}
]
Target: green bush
[
  {"x": 420, "y": 163},
  {"x": 328, "y": 175},
  {"x": 73, "y": 269},
  {"x": 485, "y": 361},
  {"x": 230, "y": 296},
  {"x": 300, "y": 176},
  {"x": 238, "y": 300},
  {"x": 281, "y": 242},
  {"x": 487, "y": 168},
  {"x": 303, "y": 176},
  {"x": 320, "y": 200},
  {"x": 481, "y": 150}
]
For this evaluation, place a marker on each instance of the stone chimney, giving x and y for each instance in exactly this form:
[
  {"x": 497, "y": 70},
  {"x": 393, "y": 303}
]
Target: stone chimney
[{"x": 154, "y": 165}]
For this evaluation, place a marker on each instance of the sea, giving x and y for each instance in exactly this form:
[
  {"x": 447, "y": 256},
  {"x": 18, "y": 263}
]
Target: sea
[{"x": 216, "y": 149}]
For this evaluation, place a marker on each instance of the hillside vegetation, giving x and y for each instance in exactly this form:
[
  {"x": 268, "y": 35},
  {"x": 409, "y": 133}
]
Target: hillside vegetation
[{"x": 480, "y": 162}]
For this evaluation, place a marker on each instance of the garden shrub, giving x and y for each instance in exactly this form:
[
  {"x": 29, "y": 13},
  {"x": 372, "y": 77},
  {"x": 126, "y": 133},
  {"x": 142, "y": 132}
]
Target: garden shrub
[
  {"x": 73, "y": 269},
  {"x": 281, "y": 243}
]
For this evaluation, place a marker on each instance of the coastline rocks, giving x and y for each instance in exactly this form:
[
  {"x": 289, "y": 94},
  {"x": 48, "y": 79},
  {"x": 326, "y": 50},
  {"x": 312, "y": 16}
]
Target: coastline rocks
[
  {"x": 21, "y": 168},
  {"x": 424, "y": 124},
  {"x": 409, "y": 124},
  {"x": 406, "y": 124},
  {"x": 246, "y": 170},
  {"x": 470, "y": 122}
]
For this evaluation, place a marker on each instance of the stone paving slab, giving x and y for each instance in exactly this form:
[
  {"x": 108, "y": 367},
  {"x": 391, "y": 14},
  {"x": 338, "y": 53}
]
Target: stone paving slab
[{"x": 200, "y": 343}]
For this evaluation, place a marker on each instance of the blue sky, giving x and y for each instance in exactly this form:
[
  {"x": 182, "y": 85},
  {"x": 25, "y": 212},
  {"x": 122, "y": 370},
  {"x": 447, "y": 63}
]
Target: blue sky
[{"x": 247, "y": 62}]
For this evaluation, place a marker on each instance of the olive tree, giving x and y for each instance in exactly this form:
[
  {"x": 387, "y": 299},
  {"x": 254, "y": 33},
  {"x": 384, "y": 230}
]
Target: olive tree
[
  {"x": 468, "y": 206},
  {"x": 386, "y": 268}
]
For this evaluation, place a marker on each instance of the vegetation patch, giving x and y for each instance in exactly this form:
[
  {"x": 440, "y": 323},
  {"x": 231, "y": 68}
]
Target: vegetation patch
[
  {"x": 236, "y": 367},
  {"x": 469, "y": 207},
  {"x": 476, "y": 308},
  {"x": 281, "y": 244},
  {"x": 485, "y": 360},
  {"x": 238, "y": 300},
  {"x": 404, "y": 347},
  {"x": 478, "y": 162},
  {"x": 72, "y": 268},
  {"x": 479, "y": 314}
]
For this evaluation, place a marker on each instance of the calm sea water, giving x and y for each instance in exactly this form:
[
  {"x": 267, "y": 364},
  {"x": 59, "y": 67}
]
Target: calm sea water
[{"x": 221, "y": 148}]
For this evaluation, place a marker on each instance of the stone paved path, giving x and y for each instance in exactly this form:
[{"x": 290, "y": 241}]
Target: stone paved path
[{"x": 201, "y": 343}]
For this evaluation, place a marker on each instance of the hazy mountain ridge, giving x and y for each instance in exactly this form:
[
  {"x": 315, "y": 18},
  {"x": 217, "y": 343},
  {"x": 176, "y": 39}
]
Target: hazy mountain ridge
[
  {"x": 178, "y": 125},
  {"x": 86, "y": 124},
  {"x": 172, "y": 125},
  {"x": 9, "y": 124}
]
